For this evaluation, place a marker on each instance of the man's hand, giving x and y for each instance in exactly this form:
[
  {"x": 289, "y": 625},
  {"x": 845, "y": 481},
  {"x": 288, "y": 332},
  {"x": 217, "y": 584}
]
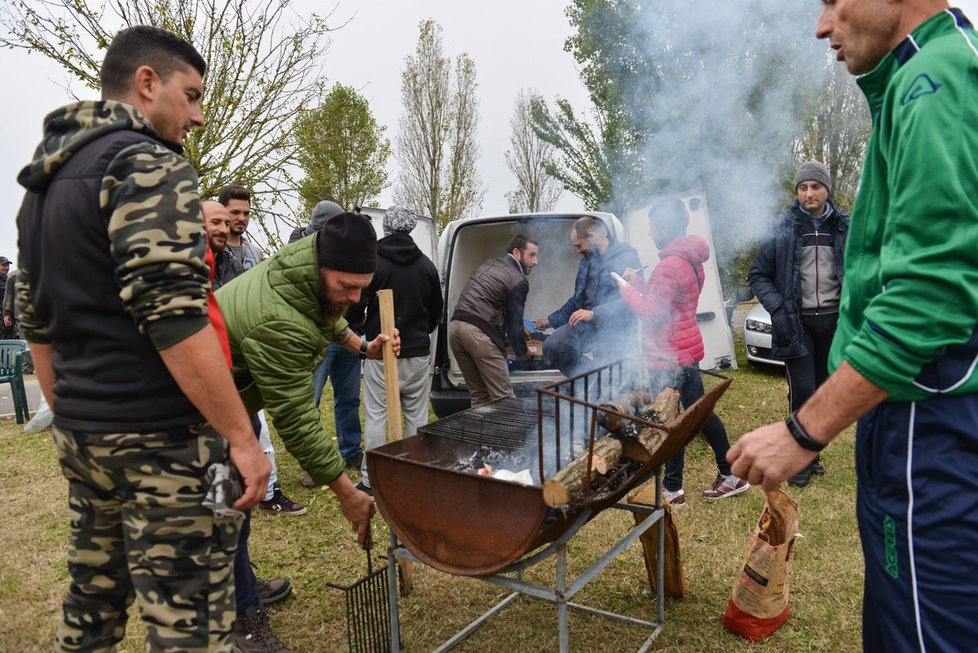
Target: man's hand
[
  {"x": 356, "y": 506},
  {"x": 542, "y": 323},
  {"x": 630, "y": 275},
  {"x": 375, "y": 348},
  {"x": 8, "y": 321},
  {"x": 580, "y": 315},
  {"x": 768, "y": 456},
  {"x": 255, "y": 469}
]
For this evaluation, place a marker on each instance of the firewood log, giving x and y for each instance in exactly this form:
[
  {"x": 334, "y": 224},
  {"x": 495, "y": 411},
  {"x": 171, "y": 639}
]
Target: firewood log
[
  {"x": 664, "y": 409},
  {"x": 627, "y": 403},
  {"x": 567, "y": 485}
]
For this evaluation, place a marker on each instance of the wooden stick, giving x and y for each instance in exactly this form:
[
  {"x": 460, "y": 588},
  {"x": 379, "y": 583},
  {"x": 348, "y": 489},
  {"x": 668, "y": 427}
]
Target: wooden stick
[{"x": 395, "y": 430}]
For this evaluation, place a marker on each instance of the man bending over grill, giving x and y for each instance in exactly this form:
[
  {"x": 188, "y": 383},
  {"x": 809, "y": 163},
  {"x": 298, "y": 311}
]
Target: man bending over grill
[{"x": 490, "y": 310}]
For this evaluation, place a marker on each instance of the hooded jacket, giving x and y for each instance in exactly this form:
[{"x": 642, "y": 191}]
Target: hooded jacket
[
  {"x": 775, "y": 275},
  {"x": 666, "y": 304},
  {"x": 132, "y": 279},
  {"x": 279, "y": 332},
  {"x": 418, "y": 302}
]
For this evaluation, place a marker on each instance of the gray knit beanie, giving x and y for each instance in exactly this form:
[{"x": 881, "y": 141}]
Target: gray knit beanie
[
  {"x": 813, "y": 171},
  {"x": 322, "y": 212},
  {"x": 400, "y": 220}
]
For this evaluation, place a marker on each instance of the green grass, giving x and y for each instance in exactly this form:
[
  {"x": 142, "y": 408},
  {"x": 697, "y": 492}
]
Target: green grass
[{"x": 825, "y": 576}]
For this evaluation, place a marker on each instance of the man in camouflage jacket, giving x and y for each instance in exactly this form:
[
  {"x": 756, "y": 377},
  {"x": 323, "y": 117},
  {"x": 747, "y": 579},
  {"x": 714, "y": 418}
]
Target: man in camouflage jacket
[{"x": 143, "y": 398}]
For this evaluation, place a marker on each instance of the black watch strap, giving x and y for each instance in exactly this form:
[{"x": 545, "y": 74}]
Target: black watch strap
[
  {"x": 363, "y": 348},
  {"x": 800, "y": 435}
]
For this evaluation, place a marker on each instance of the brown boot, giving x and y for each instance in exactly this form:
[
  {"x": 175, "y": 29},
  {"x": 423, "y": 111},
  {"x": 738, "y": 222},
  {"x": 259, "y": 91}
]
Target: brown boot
[{"x": 253, "y": 633}]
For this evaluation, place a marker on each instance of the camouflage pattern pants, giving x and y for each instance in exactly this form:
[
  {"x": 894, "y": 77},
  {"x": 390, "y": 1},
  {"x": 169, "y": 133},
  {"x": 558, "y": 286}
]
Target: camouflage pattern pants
[{"x": 139, "y": 531}]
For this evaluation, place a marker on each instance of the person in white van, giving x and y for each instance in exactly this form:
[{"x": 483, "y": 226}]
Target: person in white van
[{"x": 490, "y": 310}]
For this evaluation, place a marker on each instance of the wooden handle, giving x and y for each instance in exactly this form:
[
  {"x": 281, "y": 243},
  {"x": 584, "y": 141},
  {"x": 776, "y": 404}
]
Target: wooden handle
[{"x": 395, "y": 430}]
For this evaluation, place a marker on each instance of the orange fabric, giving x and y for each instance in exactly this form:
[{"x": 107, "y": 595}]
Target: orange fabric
[
  {"x": 214, "y": 311},
  {"x": 749, "y": 627}
]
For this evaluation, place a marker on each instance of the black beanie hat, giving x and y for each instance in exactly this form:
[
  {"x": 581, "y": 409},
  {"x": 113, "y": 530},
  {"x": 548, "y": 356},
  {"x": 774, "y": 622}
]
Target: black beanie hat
[{"x": 347, "y": 243}]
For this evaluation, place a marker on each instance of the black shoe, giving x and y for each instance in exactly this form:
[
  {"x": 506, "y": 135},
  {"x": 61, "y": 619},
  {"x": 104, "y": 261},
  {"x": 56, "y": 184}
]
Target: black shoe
[
  {"x": 354, "y": 462},
  {"x": 253, "y": 633},
  {"x": 802, "y": 478},
  {"x": 364, "y": 488},
  {"x": 817, "y": 468},
  {"x": 273, "y": 590}
]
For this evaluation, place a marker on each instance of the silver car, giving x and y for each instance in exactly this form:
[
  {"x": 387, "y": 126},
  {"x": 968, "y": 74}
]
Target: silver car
[{"x": 757, "y": 337}]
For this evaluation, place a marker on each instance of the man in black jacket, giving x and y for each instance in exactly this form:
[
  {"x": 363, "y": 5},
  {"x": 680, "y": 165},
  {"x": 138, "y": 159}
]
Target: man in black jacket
[
  {"x": 797, "y": 276},
  {"x": 413, "y": 280},
  {"x": 490, "y": 310}
]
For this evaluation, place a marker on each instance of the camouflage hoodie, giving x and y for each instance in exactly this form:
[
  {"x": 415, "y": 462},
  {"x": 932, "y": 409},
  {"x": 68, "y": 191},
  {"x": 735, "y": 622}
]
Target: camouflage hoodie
[{"x": 120, "y": 207}]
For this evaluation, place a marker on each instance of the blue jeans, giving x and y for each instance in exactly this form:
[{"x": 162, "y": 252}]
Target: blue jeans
[
  {"x": 342, "y": 367},
  {"x": 690, "y": 385}
]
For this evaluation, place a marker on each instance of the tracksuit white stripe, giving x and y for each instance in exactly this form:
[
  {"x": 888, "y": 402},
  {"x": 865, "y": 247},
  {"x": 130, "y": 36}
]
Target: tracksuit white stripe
[
  {"x": 963, "y": 33},
  {"x": 913, "y": 566}
]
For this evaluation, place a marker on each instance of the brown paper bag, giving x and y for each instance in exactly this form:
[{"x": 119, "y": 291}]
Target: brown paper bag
[{"x": 759, "y": 602}]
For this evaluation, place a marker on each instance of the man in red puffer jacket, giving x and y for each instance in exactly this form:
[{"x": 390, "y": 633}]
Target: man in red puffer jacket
[{"x": 671, "y": 338}]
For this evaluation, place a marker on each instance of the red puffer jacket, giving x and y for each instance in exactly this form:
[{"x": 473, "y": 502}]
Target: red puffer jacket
[{"x": 666, "y": 304}]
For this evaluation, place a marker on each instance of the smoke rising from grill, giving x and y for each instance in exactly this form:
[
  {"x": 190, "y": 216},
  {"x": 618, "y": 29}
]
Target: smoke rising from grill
[{"x": 722, "y": 103}]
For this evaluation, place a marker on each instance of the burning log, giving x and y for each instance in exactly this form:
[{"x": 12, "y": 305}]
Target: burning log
[
  {"x": 629, "y": 403},
  {"x": 567, "y": 485},
  {"x": 647, "y": 441}
]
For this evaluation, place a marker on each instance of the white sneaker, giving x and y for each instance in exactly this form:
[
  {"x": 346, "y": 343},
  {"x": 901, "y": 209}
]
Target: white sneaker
[{"x": 677, "y": 498}]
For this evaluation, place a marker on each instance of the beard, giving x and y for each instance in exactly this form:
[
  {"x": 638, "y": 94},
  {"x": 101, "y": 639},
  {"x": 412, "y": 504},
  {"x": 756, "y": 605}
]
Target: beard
[{"x": 333, "y": 311}]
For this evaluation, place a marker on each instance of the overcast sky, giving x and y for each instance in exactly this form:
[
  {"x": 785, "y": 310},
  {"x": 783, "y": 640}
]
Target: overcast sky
[{"x": 514, "y": 43}]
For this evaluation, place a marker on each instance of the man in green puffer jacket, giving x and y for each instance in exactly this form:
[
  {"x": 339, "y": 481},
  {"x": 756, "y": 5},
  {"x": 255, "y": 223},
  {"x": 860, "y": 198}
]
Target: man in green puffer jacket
[{"x": 281, "y": 317}]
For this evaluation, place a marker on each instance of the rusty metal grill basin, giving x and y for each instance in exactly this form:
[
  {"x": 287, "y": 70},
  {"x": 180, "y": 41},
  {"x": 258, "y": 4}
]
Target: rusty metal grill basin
[{"x": 472, "y": 525}]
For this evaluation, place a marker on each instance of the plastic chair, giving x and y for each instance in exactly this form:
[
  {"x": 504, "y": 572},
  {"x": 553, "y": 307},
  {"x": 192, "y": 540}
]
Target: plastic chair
[{"x": 11, "y": 371}]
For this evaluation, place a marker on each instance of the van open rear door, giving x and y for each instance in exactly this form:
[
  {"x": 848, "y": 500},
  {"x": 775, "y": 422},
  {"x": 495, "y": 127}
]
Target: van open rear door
[{"x": 711, "y": 311}]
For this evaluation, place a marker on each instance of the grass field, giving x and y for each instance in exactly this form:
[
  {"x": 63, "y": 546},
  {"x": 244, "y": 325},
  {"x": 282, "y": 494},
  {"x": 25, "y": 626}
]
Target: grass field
[{"x": 825, "y": 576}]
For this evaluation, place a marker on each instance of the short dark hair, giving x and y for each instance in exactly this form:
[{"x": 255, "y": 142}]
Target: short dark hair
[
  {"x": 144, "y": 45},
  {"x": 232, "y": 192},
  {"x": 588, "y": 224},
  {"x": 670, "y": 215},
  {"x": 519, "y": 241}
]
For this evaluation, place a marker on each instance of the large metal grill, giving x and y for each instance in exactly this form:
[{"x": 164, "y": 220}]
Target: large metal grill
[{"x": 473, "y": 525}]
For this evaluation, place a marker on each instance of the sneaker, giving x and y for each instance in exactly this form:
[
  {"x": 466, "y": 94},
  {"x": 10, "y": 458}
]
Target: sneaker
[
  {"x": 273, "y": 590},
  {"x": 253, "y": 633},
  {"x": 677, "y": 498},
  {"x": 282, "y": 504},
  {"x": 306, "y": 480},
  {"x": 354, "y": 461},
  {"x": 802, "y": 478},
  {"x": 726, "y": 486},
  {"x": 364, "y": 488}
]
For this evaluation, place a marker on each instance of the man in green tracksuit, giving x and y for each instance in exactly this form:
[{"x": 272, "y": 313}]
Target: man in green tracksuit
[{"x": 906, "y": 347}]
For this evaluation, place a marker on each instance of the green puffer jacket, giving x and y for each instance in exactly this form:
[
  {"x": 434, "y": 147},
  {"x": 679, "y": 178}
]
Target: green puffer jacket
[{"x": 278, "y": 334}]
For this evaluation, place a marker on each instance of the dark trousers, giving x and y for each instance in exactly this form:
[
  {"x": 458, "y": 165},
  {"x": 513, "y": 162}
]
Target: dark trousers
[
  {"x": 245, "y": 583},
  {"x": 917, "y": 506},
  {"x": 690, "y": 385},
  {"x": 806, "y": 373}
]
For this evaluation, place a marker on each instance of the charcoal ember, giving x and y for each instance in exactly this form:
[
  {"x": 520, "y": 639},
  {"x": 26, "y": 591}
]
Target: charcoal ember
[{"x": 494, "y": 458}]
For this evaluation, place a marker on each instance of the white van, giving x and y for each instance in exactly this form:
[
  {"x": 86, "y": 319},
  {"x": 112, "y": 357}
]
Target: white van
[{"x": 466, "y": 244}]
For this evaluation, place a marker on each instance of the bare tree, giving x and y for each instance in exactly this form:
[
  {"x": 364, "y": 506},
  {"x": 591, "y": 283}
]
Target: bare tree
[
  {"x": 535, "y": 189},
  {"x": 837, "y": 133},
  {"x": 436, "y": 145},
  {"x": 262, "y": 69}
]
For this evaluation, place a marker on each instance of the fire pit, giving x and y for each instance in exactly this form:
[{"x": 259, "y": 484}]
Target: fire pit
[{"x": 462, "y": 523}]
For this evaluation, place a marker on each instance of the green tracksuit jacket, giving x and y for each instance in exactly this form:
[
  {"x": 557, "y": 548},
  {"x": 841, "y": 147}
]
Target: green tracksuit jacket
[{"x": 909, "y": 306}]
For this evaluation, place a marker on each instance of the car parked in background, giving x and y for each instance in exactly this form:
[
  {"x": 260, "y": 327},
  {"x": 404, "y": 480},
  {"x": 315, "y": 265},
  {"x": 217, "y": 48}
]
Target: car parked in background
[{"x": 757, "y": 337}]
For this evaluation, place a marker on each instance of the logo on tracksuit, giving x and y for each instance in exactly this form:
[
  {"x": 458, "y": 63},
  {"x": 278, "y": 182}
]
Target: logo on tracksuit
[
  {"x": 921, "y": 85},
  {"x": 890, "y": 547}
]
